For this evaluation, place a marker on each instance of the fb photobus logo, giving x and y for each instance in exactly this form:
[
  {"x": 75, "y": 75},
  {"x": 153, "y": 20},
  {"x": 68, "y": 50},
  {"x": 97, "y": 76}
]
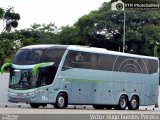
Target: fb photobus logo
[
  {"x": 143, "y": 5},
  {"x": 119, "y": 5}
]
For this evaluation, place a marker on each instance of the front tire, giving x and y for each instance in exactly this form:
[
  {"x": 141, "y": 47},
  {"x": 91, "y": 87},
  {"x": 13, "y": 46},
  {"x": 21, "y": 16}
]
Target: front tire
[
  {"x": 61, "y": 101},
  {"x": 35, "y": 105},
  {"x": 133, "y": 103}
]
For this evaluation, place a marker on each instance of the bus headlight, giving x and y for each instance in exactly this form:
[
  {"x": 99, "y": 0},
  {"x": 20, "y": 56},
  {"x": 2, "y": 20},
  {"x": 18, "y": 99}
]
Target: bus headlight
[{"x": 31, "y": 93}]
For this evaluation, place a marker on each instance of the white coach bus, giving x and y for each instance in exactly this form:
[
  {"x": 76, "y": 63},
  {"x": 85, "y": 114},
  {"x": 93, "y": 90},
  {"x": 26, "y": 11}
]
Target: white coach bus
[{"x": 64, "y": 75}]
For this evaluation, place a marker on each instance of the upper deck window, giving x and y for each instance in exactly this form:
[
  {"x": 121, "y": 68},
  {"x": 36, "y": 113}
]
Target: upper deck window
[
  {"x": 34, "y": 56},
  {"x": 79, "y": 59},
  {"x": 28, "y": 56}
]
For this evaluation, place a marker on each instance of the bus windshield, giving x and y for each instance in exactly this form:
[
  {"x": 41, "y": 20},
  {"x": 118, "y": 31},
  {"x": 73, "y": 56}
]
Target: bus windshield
[
  {"x": 24, "y": 79},
  {"x": 28, "y": 57}
]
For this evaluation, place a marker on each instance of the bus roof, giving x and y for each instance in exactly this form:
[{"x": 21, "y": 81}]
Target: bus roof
[
  {"x": 43, "y": 46},
  {"x": 87, "y": 49}
]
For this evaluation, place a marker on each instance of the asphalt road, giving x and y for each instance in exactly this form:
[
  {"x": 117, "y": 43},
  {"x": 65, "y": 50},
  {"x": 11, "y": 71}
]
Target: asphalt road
[
  {"x": 26, "y": 109},
  {"x": 24, "y": 112}
]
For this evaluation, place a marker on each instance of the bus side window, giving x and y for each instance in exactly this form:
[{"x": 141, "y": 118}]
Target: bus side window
[
  {"x": 67, "y": 63},
  {"x": 71, "y": 59},
  {"x": 79, "y": 57}
]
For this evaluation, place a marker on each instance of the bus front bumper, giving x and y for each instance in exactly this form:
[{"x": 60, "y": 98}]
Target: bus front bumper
[{"x": 21, "y": 97}]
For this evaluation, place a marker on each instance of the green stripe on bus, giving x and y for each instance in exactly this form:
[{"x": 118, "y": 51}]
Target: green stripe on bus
[{"x": 83, "y": 80}]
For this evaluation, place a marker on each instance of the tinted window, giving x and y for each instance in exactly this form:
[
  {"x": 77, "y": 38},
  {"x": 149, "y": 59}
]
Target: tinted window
[
  {"x": 34, "y": 56},
  {"x": 27, "y": 57},
  {"x": 53, "y": 55},
  {"x": 135, "y": 65},
  {"x": 110, "y": 62},
  {"x": 46, "y": 76},
  {"x": 77, "y": 59},
  {"x": 152, "y": 66},
  {"x": 105, "y": 62}
]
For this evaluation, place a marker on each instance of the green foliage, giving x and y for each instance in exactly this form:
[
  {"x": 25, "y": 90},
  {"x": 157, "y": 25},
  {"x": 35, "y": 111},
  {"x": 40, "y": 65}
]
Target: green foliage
[
  {"x": 70, "y": 35},
  {"x": 29, "y": 41},
  {"x": 39, "y": 34},
  {"x": 1, "y": 13},
  {"x": 104, "y": 28},
  {"x": 7, "y": 50},
  {"x": 43, "y": 28},
  {"x": 10, "y": 18},
  {"x": 158, "y": 50}
]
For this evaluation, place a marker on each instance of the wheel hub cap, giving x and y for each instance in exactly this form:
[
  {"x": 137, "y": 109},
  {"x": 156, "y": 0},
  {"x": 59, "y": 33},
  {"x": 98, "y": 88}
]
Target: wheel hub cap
[
  {"x": 123, "y": 103},
  {"x": 134, "y": 103},
  {"x": 61, "y": 101}
]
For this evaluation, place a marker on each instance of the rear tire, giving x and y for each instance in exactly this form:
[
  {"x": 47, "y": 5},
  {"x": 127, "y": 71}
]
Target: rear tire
[
  {"x": 122, "y": 103},
  {"x": 133, "y": 103},
  {"x": 35, "y": 105},
  {"x": 61, "y": 101}
]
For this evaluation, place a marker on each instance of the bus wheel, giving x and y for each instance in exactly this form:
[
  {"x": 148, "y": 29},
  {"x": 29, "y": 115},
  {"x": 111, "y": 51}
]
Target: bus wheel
[
  {"x": 34, "y": 105},
  {"x": 133, "y": 103},
  {"x": 61, "y": 101},
  {"x": 98, "y": 106},
  {"x": 122, "y": 103}
]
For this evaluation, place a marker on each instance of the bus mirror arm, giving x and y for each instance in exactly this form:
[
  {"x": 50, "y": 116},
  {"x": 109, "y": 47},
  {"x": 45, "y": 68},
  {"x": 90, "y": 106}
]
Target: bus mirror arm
[
  {"x": 40, "y": 65},
  {"x": 5, "y": 67}
]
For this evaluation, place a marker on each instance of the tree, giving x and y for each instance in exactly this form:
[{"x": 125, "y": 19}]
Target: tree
[
  {"x": 39, "y": 34},
  {"x": 43, "y": 28},
  {"x": 104, "y": 28},
  {"x": 1, "y": 13},
  {"x": 10, "y": 19},
  {"x": 70, "y": 36},
  {"x": 7, "y": 41}
]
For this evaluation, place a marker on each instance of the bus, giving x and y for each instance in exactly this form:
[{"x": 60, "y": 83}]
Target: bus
[{"x": 63, "y": 75}]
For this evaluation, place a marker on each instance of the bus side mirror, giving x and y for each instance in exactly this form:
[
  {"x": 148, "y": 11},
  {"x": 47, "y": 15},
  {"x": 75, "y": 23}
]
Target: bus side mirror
[{"x": 5, "y": 67}]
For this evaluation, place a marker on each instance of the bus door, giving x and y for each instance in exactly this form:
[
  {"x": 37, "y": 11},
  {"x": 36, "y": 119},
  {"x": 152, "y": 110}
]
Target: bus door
[{"x": 45, "y": 79}]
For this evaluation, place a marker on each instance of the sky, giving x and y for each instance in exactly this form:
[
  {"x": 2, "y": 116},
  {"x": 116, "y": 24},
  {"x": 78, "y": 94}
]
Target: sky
[{"x": 60, "y": 12}]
